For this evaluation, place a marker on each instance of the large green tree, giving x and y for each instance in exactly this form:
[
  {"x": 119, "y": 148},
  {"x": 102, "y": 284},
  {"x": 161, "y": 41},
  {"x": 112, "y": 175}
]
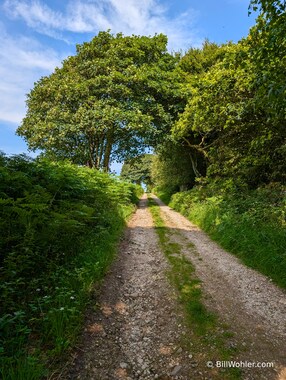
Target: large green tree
[
  {"x": 267, "y": 44},
  {"x": 227, "y": 120},
  {"x": 138, "y": 170},
  {"x": 191, "y": 131},
  {"x": 116, "y": 96},
  {"x": 175, "y": 168}
]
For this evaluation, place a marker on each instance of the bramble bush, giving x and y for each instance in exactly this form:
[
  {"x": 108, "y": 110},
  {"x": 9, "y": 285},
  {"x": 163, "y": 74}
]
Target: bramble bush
[{"x": 59, "y": 225}]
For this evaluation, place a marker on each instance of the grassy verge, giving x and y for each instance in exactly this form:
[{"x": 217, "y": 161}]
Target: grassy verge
[
  {"x": 250, "y": 225},
  {"x": 60, "y": 225},
  {"x": 211, "y": 338},
  {"x": 35, "y": 341},
  {"x": 164, "y": 195}
]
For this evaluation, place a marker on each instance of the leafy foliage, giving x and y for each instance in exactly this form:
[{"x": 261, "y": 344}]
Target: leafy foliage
[
  {"x": 267, "y": 48},
  {"x": 173, "y": 168},
  {"x": 225, "y": 121},
  {"x": 138, "y": 170},
  {"x": 108, "y": 102},
  {"x": 216, "y": 118},
  {"x": 59, "y": 224}
]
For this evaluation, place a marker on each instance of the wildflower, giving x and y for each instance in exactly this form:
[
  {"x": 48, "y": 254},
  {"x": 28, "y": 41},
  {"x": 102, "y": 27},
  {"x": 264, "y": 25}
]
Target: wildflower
[
  {"x": 62, "y": 308},
  {"x": 38, "y": 290},
  {"x": 72, "y": 297}
]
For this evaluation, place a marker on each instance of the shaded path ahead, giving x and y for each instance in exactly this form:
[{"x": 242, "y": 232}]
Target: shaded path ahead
[{"x": 135, "y": 329}]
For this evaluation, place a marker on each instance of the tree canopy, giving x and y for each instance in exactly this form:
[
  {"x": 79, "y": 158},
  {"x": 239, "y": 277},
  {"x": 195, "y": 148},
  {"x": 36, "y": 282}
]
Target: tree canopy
[
  {"x": 116, "y": 96},
  {"x": 234, "y": 119},
  {"x": 138, "y": 170},
  {"x": 217, "y": 111}
]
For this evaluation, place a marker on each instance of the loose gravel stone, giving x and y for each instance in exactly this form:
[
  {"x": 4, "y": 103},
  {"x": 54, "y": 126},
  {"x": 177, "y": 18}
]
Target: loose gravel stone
[
  {"x": 176, "y": 370},
  {"x": 137, "y": 331}
]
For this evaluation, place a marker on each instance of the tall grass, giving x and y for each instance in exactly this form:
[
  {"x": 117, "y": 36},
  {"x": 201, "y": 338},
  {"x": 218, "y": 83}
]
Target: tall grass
[
  {"x": 59, "y": 226},
  {"x": 250, "y": 224},
  {"x": 164, "y": 194}
]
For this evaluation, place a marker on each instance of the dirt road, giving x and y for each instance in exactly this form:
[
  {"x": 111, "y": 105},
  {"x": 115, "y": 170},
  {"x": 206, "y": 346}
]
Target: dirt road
[{"x": 136, "y": 328}]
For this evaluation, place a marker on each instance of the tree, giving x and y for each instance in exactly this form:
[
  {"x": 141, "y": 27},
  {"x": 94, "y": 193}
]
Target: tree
[
  {"x": 268, "y": 53},
  {"x": 110, "y": 101},
  {"x": 138, "y": 170},
  {"x": 172, "y": 168},
  {"x": 199, "y": 60},
  {"x": 267, "y": 45},
  {"x": 224, "y": 121},
  {"x": 196, "y": 64}
]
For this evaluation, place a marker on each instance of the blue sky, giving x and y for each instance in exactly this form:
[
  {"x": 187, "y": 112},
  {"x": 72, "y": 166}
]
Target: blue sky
[{"x": 36, "y": 35}]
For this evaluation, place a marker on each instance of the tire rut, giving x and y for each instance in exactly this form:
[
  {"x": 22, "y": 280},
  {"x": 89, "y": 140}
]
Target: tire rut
[
  {"x": 135, "y": 326},
  {"x": 136, "y": 330},
  {"x": 247, "y": 301}
]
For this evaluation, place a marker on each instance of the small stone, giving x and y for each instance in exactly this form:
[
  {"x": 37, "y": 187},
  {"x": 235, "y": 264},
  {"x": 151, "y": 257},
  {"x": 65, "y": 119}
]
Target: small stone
[
  {"x": 123, "y": 365},
  {"x": 179, "y": 350},
  {"x": 190, "y": 356},
  {"x": 176, "y": 370},
  {"x": 232, "y": 345}
]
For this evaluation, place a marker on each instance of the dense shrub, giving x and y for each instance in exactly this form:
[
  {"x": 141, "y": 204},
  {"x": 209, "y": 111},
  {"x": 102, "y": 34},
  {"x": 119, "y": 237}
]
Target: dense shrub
[{"x": 59, "y": 224}]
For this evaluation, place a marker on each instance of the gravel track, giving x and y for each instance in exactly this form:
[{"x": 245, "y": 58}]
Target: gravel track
[
  {"x": 249, "y": 302},
  {"x": 135, "y": 328}
]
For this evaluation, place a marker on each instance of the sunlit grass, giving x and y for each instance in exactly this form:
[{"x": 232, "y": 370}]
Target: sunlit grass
[{"x": 249, "y": 227}]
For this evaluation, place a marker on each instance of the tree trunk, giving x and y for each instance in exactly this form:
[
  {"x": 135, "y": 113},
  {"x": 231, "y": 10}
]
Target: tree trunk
[
  {"x": 101, "y": 150},
  {"x": 91, "y": 151},
  {"x": 194, "y": 166},
  {"x": 108, "y": 149}
]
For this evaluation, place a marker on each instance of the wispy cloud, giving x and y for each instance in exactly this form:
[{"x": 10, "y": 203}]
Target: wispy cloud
[
  {"x": 22, "y": 62},
  {"x": 35, "y": 14},
  {"x": 128, "y": 16}
]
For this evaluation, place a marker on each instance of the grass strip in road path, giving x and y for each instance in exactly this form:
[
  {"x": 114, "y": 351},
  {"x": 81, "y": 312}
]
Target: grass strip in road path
[{"x": 210, "y": 338}]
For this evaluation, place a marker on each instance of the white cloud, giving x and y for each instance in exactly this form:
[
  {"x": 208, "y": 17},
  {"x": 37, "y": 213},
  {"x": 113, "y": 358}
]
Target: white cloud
[
  {"x": 145, "y": 17},
  {"x": 34, "y": 13},
  {"x": 22, "y": 62}
]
